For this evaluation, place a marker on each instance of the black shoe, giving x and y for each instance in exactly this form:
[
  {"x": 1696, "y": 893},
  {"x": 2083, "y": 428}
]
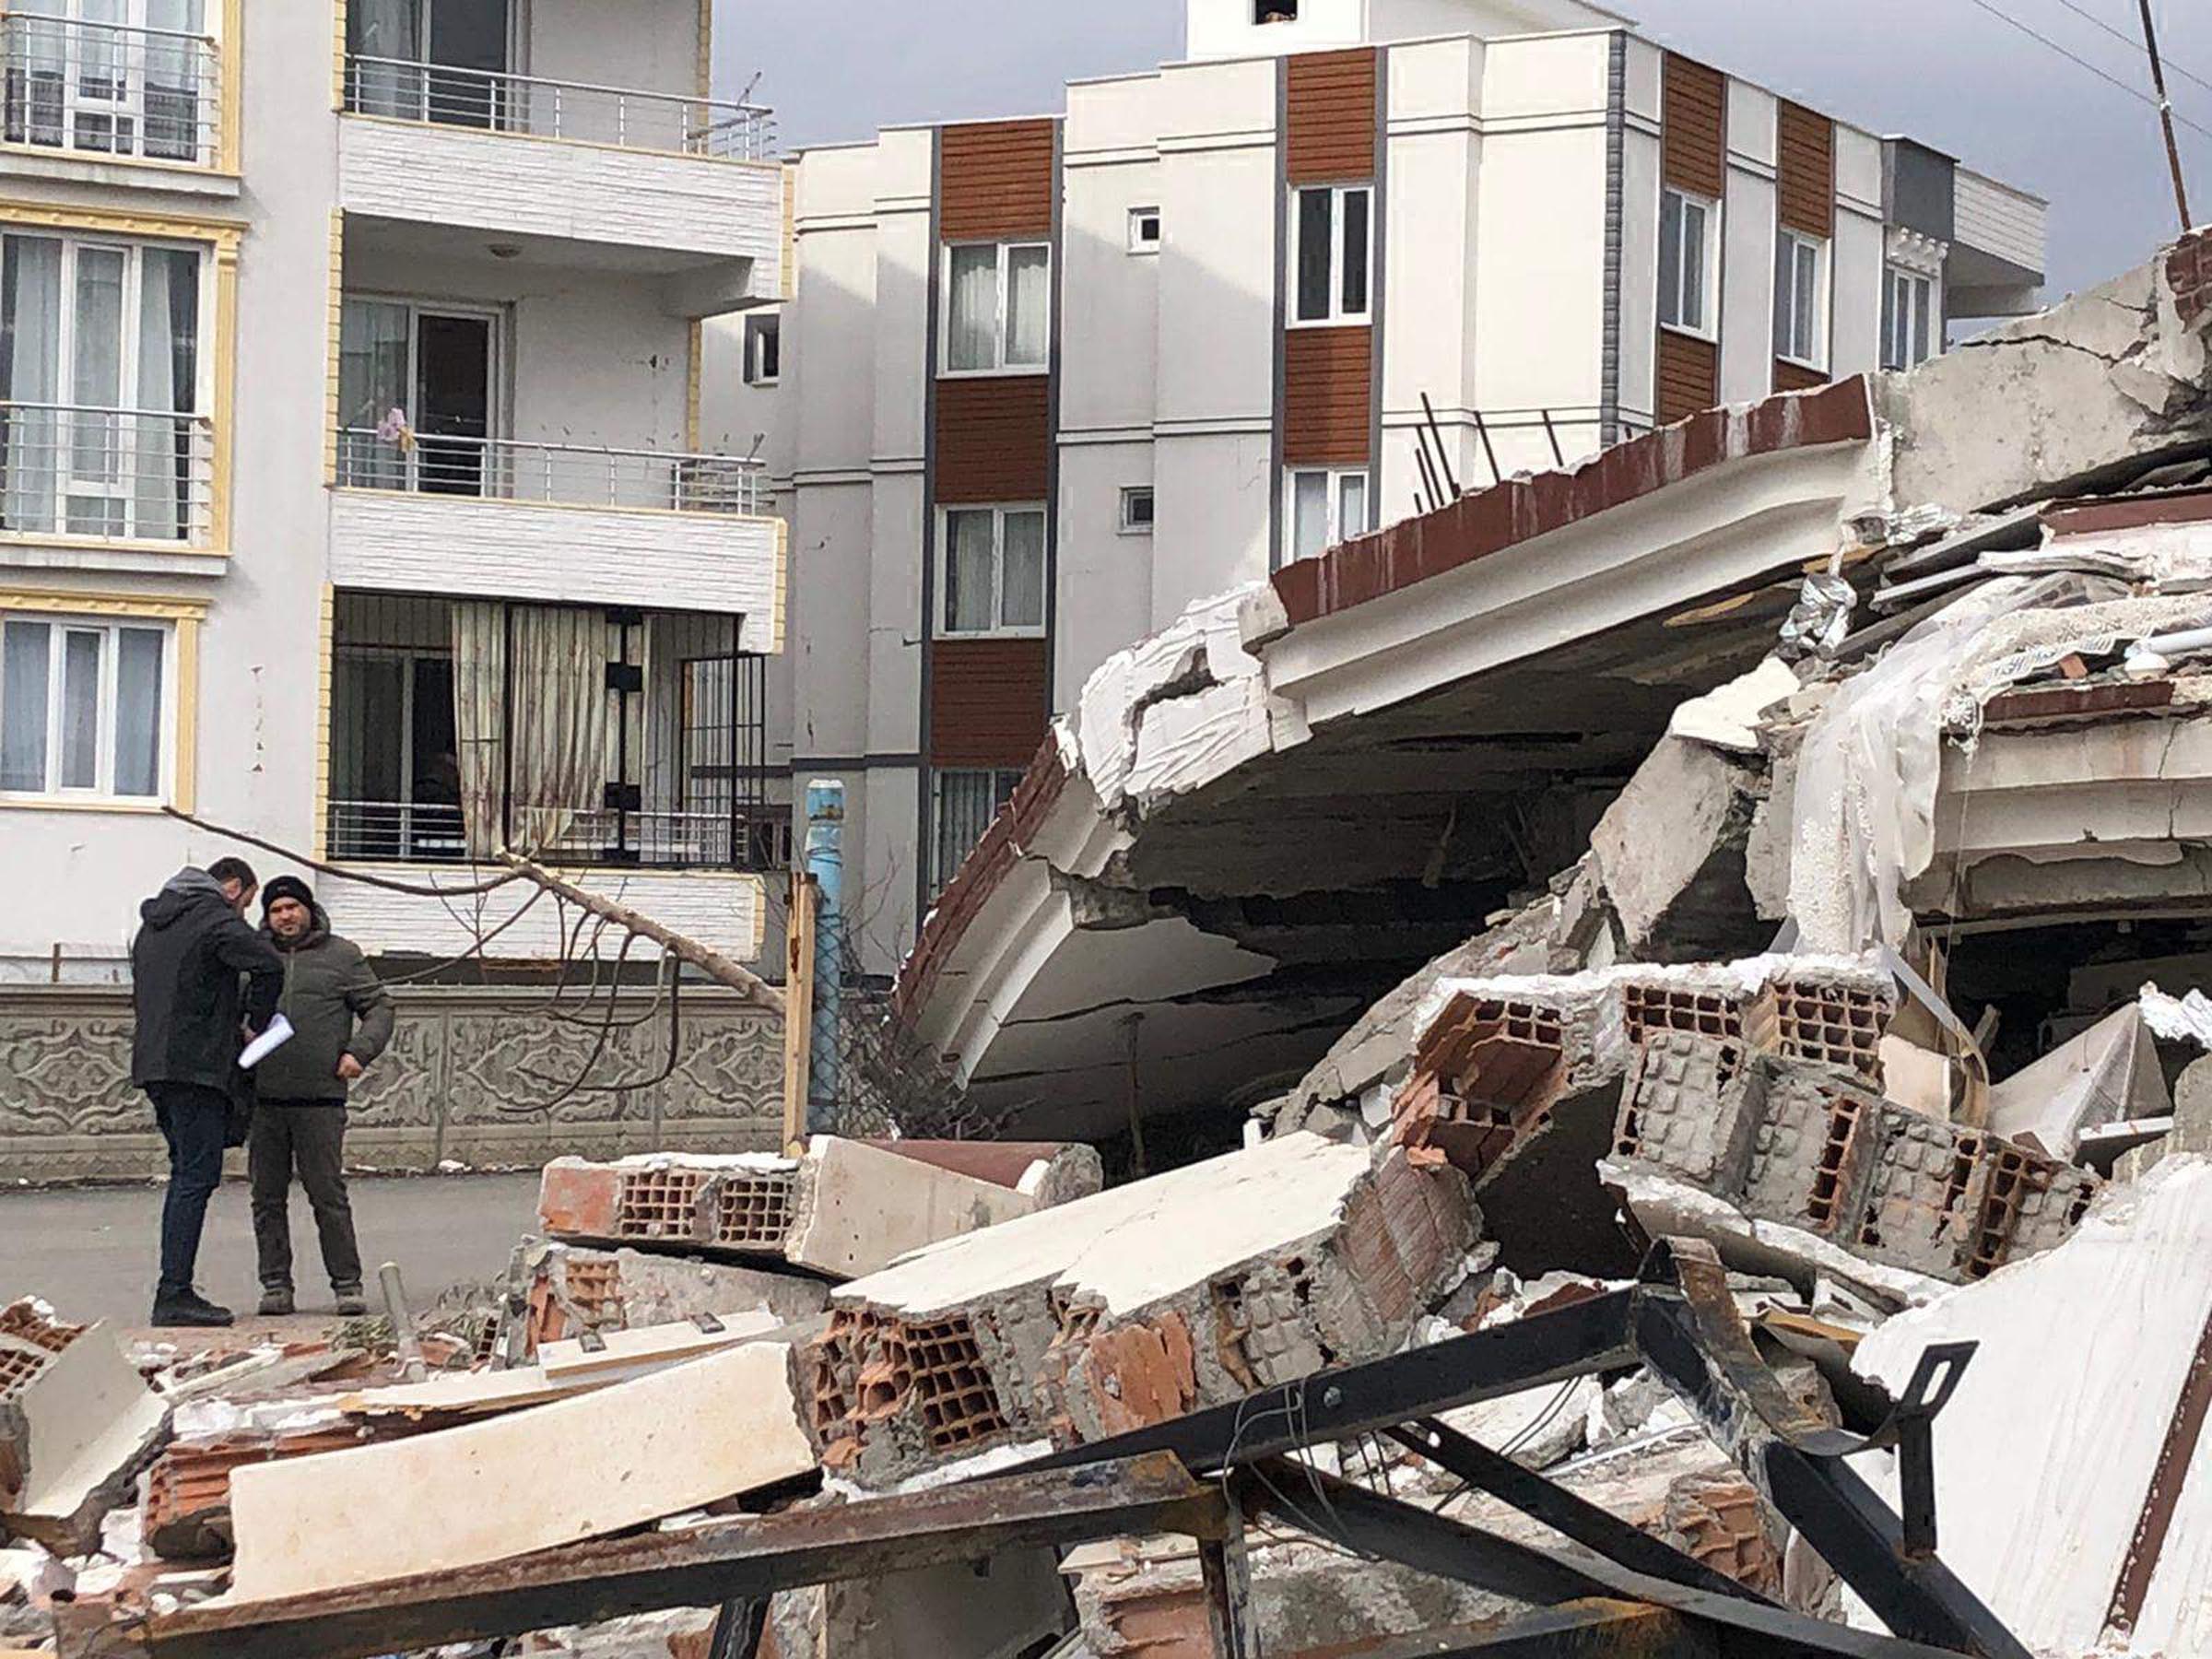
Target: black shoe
[
  {"x": 188, "y": 1309},
  {"x": 352, "y": 1304},
  {"x": 276, "y": 1303}
]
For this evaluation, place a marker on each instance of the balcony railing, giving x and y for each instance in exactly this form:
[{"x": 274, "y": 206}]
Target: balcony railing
[
  {"x": 407, "y": 90},
  {"x": 567, "y": 474},
  {"x": 751, "y": 837},
  {"x": 105, "y": 90},
  {"x": 128, "y": 475}
]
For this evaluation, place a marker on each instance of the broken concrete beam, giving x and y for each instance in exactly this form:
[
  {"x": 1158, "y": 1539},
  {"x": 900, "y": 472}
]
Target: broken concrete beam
[
  {"x": 572, "y": 1288},
  {"x": 1670, "y": 854},
  {"x": 2109, "y": 1074},
  {"x": 2068, "y": 1467},
  {"x": 185, "y": 1513},
  {"x": 1142, "y": 1303},
  {"x": 2191, "y": 1130},
  {"x": 77, "y": 1422},
  {"x": 639, "y": 1451},
  {"x": 843, "y": 1209},
  {"x": 1050, "y": 1171}
]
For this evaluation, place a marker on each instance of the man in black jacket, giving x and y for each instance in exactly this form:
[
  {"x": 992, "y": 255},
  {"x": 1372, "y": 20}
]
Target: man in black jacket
[
  {"x": 186, "y": 968},
  {"x": 341, "y": 1019}
]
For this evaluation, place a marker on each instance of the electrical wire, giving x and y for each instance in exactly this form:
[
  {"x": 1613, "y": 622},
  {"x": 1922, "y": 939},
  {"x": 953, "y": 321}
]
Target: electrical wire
[
  {"x": 2079, "y": 61},
  {"x": 2133, "y": 43}
]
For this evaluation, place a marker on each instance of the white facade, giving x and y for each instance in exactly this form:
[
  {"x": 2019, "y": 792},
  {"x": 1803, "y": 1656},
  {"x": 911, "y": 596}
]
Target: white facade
[
  {"x": 1519, "y": 166},
  {"x": 440, "y": 352}
]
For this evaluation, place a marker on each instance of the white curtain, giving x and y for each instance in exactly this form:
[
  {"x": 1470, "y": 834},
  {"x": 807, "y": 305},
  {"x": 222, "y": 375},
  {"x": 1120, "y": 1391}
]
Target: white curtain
[
  {"x": 1021, "y": 571},
  {"x": 30, "y": 333},
  {"x": 169, "y": 339},
  {"x": 559, "y": 729},
  {"x": 387, "y": 30},
  {"x": 172, "y": 80},
  {"x": 26, "y": 668},
  {"x": 1029, "y": 306},
  {"x": 970, "y": 605},
  {"x": 372, "y": 381},
  {"x": 138, "y": 711},
  {"x": 37, "y": 84},
  {"x": 96, "y": 481},
  {"x": 1310, "y": 515},
  {"x": 973, "y": 334}
]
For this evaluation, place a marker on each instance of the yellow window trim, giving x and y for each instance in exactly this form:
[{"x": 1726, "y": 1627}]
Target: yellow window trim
[
  {"x": 324, "y": 676},
  {"x": 224, "y": 233},
  {"x": 187, "y": 615}
]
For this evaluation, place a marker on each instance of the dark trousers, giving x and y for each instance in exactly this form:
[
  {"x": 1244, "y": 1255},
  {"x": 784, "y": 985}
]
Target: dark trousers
[
  {"x": 308, "y": 1137},
  {"x": 192, "y": 1119}
]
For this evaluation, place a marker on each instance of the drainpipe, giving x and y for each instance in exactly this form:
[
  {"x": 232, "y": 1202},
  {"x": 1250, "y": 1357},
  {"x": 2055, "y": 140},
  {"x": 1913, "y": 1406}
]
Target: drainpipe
[{"x": 826, "y": 864}]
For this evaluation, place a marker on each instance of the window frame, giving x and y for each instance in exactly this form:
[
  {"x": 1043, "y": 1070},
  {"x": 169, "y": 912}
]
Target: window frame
[
  {"x": 1708, "y": 326},
  {"x": 1338, "y": 316},
  {"x": 1896, "y": 313},
  {"x": 1821, "y": 250},
  {"x": 1002, "y": 318},
  {"x": 759, "y": 329},
  {"x": 76, "y": 238},
  {"x": 210, "y": 149},
  {"x": 60, "y": 625},
  {"x": 941, "y": 617},
  {"x": 1139, "y": 244},
  {"x": 1005, "y": 780},
  {"x": 1337, "y": 477},
  {"x": 1128, "y": 524},
  {"x": 498, "y": 412}
]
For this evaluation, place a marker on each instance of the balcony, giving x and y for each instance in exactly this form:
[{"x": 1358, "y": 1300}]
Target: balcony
[
  {"x": 668, "y": 181},
  {"x": 70, "y": 471},
  {"x": 104, "y": 91},
  {"x": 516, "y": 519},
  {"x": 625, "y": 748}
]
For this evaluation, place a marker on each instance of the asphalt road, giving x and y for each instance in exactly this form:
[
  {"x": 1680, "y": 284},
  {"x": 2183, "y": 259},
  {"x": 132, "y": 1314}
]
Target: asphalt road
[{"x": 91, "y": 1252}]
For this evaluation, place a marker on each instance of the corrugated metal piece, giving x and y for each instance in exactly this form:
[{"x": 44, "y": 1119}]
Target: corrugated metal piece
[
  {"x": 1328, "y": 383},
  {"x": 994, "y": 438},
  {"x": 1330, "y": 126},
  {"x": 987, "y": 703},
  {"x": 995, "y": 181}
]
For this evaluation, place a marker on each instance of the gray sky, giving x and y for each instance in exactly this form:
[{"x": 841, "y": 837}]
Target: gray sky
[{"x": 1946, "y": 72}]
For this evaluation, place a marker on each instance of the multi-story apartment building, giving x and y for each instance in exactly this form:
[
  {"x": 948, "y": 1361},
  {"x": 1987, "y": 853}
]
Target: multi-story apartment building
[
  {"x": 354, "y": 492},
  {"x": 1049, "y": 381}
]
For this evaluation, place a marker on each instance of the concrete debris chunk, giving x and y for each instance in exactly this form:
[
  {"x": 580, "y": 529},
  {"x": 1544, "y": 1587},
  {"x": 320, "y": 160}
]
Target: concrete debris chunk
[
  {"x": 2110, "y": 1074},
  {"x": 845, "y": 1208},
  {"x": 1140, "y": 1304},
  {"x": 78, "y": 1423}
]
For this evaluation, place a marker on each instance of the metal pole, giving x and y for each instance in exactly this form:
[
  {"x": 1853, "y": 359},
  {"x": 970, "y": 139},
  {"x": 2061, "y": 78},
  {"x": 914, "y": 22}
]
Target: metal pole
[
  {"x": 2173, "y": 152},
  {"x": 826, "y": 868},
  {"x": 411, "y": 1362}
]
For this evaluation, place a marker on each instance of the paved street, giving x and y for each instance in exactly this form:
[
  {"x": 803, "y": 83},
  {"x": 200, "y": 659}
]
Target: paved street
[{"x": 91, "y": 1252}]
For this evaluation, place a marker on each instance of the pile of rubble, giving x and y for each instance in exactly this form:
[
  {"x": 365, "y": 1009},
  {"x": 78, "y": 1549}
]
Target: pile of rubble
[{"x": 1788, "y": 1230}]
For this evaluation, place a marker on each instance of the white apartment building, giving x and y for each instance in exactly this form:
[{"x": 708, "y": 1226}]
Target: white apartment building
[
  {"x": 354, "y": 492},
  {"x": 1046, "y": 381}
]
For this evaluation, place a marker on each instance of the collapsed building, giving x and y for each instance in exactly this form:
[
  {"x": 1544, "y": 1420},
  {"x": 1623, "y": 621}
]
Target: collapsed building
[{"x": 1696, "y": 961}]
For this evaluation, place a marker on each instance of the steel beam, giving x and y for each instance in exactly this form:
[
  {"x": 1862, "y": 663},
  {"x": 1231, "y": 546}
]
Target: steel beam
[
  {"x": 722, "y": 1563},
  {"x": 1592, "y": 1336},
  {"x": 1561, "y": 1509}
]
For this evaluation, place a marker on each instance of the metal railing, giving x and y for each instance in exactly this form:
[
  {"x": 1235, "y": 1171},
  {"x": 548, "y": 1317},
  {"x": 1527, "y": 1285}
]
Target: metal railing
[
  {"x": 132, "y": 475},
  {"x": 512, "y": 469},
  {"x": 750, "y": 838},
  {"x": 109, "y": 89},
  {"x": 435, "y": 93}
]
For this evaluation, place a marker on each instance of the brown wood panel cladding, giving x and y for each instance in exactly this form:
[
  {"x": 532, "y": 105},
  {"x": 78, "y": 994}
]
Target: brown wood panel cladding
[
  {"x": 1796, "y": 377},
  {"x": 1330, "y": 129},
  {"x": 994, "y": 438},
  {"x": 994, "y": 181},
  {"x": 1694, "y": 143},
  {"x": 1328, "y": 396},
  {"x": 988, "y": 701},
  {"x": 1806, "y": 145},
  {"x": 1690, "y": 376}
]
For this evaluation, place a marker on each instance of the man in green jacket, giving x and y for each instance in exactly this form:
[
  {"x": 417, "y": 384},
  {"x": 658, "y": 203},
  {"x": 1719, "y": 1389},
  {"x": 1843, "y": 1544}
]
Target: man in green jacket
[{"x": 341, "y": 1020}]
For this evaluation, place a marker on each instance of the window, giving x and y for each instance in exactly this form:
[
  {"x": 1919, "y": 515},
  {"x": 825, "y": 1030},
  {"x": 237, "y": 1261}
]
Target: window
[
  {"x": 1144, "y": 230},
  {"x": 431, "y": 60},
  {"x": 1274, "y": 11},
  {"x": 1801, "y": 299},
  {"x": 417, "y": 404},
  {"x": 113, "y": 77},
  {"x": 1327, "y": 506},
  {"x": 1136, "y": 510},
  {"x": 763, "y": 350},
  {"x": 100, "y": 379},
  {"x": 1686, "y": 262},
  {"x": 963, "y": 805},
  {"x": 82, "y": 709},
  {"x": 998, "y": 301},
  {"x": 1332, "y": 259},
  {"x": 993, "y": 570},
  {"x": 1908, "y": 321}
]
